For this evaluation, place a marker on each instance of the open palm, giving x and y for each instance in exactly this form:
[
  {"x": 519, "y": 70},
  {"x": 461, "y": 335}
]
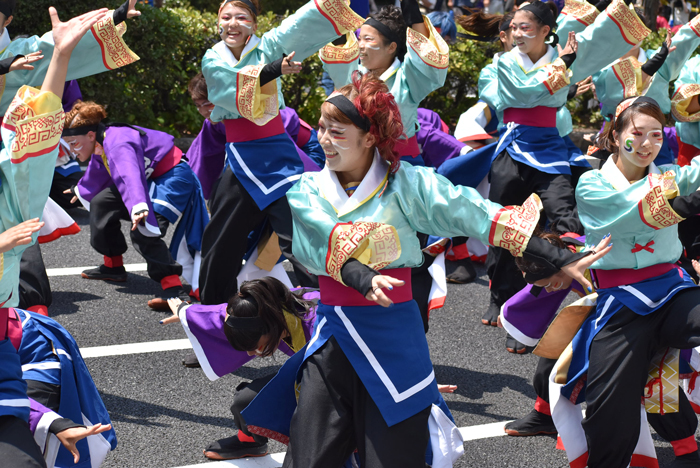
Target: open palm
[{"x": 67, "y": 35}]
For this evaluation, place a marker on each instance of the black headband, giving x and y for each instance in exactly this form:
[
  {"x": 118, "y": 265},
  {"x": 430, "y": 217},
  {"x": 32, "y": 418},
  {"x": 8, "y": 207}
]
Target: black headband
[
  {"x": 7, "y": 7},
  {"x": 245, "y": 323},
  {"x": 545, "y": 272},
  {"x": 544, "y": 14},
  {"x": 348, "y": 108},
  {"x": 75, "y": 131},
  {"x": 383, "y": 29},
  {"x": 247, "y": 2}
]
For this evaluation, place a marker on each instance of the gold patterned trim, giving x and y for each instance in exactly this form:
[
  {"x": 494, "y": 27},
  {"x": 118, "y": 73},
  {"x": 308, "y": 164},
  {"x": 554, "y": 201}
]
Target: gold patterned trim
[
  {"x": 583, "y": 12},
  {"x": 432, "y": 50},
  {"x": 661, "y": 390},
  {"x": 558, "y": 76},
  {"x": 259, "y": 105},
  {"x": 629, "y": 73},
  {"x": 341, "y": 16},
  {"x": 681, "y": 100},
  {"x": 654, "y": 209},
  {"x": 36, "y": 118},
  {"x": 115, "y": 52},
  {"x": 513, "y": 226},
  {"x": 631, "y": 27},
  {"x": 695, "y": 25},
  {"x": 347, "y": 53},
  {"x": 373, "y": 244},
  {"x": 296, "y": 331},
  {"x": 564, "y": 327}
]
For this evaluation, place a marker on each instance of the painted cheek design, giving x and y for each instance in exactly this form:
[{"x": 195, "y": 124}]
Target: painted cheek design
[
  {"x": 221, "y": 28},
  {"x": 656, "y": 137},
  {"x": 373, "y": 47},
  {"x": 336, "y": 142},
  {"x": 628, "y": 145}
]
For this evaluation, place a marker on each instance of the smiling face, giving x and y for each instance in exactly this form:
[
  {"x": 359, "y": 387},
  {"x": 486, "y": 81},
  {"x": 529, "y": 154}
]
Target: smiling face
[
  {"x": 639, "y": 142},
  {"x": 82, "y": 146},
  {"x": 236, "y": 25},
  {"x": 348, "y": 149},
  {"x": 528, "y": 35},
  {"x": 375, "y": 53}
]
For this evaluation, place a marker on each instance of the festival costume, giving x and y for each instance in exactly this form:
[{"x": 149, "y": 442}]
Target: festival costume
[
  {"x": 422, "y": 71},
  {"x": 687, "y": 127},
  {"x": 253, "y": 187},
  {"x": 141, "y": 169},
  {"x": 376, "y": 225}
]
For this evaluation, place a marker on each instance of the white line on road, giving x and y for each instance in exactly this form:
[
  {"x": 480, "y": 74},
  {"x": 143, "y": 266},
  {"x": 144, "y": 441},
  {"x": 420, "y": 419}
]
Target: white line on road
[
  {"x": 77, "y": 270},
  {"x": 135, "y": 348}
]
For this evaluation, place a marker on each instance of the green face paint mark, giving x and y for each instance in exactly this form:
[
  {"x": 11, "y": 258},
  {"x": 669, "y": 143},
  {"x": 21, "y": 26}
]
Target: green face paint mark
[
  {"x": 628, "y": 145},
  {"x": 221, "y": 28}
]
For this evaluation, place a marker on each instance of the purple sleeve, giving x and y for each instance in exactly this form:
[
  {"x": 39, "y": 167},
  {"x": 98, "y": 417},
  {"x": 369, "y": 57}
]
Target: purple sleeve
[
  {"x": 204, "y": 326},
  {"x": 437, "y": 145},
  {"x": 125, "y": 156},
  {"x": 291, "y": 122},
  {"x": 95, "y": 179},
  {"x": 37, "y": 411},
  {"x": 207, "y": 154},
  {"x": 71, "y": 93}
]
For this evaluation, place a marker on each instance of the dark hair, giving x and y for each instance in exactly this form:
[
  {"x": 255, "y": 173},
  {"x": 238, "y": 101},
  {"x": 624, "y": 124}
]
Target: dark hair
[
  {"x": 392, "y": 18},
  {"x": 484, "y": 25},
  {"x": 607, "y": 140},
  {"x": 555, "y": 12},
  {"x": 533, "y": 268},
  {"x": 198, "y": 87},
  {"x": 372, "y": 99},
  {"x": 267, "y": 298},
  {"x": 243, "y": 5},
  {"x": 640, "y": 13}
]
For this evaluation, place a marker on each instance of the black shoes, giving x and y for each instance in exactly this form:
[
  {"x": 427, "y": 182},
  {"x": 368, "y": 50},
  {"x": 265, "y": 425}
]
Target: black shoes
[
  {"x": 190, "y": 360},
  {"x": 689, "y": 460},
  {"x": 231, "y": 448},
  {"x": 105, "y": 273},
  {"x": 463, "y": 273},
  {"x": 514, "y": 346},
  {"x": 492, "y": 313},
  {"x": 160, "y": 302},
  {"x": 533, "y": 424}
]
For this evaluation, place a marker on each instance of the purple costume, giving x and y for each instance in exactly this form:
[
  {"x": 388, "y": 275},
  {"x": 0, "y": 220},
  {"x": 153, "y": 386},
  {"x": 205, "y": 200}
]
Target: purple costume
[{"x": 436, "y": 145}]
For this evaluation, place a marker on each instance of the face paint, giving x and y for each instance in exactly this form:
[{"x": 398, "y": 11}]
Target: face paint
[
  {"x": 221, "y": 29},
  {"x": 656, "y": 137},
  {"x": 628, "y": 145},
  {"x": 372, "y": 47}
]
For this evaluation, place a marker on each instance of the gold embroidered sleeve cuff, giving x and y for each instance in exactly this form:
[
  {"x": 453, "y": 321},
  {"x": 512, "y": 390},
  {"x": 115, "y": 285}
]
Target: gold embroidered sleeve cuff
[
  {"x": 558, "y": 76},
  {"x": 433, "y": 50},
  {"x": 373, "y": 244},
  {"x": 583, "y": 12},
  {"x": 347, "y": 53},
  {"x": 681, "y": 100},
  {"x": 341, "y": 16},
  {"x": 115, "y": 52},
  {"x": 654, "y": 208},
  {"x": 36, "y": 118},
  {"x": 631, "y": 27},
  {"x": 512, "y": 227},
  {"x": 255, "y": 103}
]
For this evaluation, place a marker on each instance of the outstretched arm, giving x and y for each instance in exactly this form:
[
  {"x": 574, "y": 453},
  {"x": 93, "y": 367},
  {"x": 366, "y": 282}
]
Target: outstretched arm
[{"x": 66, "y": 36}]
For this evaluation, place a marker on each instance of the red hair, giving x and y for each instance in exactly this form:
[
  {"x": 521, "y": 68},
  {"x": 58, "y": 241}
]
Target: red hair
[{"x": 372, "y": 99}]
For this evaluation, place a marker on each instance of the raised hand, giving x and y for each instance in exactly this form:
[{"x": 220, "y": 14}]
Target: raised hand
[
  {"x": 25, "y": 63},
  {"x": 20, "y": 234},
  {"x": 67, "y": 35},
  {"x": 289, "y": 67},
  {"x": 132, "y": 10},
  {"x": 571, "y": 45},
  {"x": 577, "y": 269}
]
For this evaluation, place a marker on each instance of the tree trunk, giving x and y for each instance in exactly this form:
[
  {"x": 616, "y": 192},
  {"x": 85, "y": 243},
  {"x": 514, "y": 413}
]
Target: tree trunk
[{"x": 651, "y": 10}]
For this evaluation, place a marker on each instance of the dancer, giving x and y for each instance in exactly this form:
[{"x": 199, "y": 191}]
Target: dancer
[
  {"x": 404, "y": 50},
  {"x": 645, "y": 303},
  {"x": 253, "y": 187},
  {"x": 137, "y": 175},
  {"x": 27, "y": 164},
  {"x": 367, "y": 227}
]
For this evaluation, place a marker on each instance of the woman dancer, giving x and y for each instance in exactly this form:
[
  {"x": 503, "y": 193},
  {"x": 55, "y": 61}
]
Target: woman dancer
[
  {"x": 405, "y": 51},
  {"x": 645, "y": 302},
  {"x": 360, "y": 383},
  {"x": 241, "y": 74},
  {"x": 137, "y": 175}
]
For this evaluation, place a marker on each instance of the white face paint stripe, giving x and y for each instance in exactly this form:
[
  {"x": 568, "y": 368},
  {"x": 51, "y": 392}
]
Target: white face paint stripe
[{"x": 372, "y": 47}]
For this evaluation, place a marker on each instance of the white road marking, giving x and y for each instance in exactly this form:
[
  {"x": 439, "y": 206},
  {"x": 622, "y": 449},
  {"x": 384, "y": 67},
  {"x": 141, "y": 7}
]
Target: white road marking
[
  {"x": 135, "y": 348},
  {"x": 77, "y": 270},
  {"x": 482, "y": 431}
]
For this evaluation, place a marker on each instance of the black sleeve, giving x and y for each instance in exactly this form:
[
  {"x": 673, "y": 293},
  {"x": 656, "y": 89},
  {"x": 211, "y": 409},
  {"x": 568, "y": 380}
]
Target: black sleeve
[
  {"x": 358, "y": 275},
  {"x": 340, "y": 41},
  {"x": 411, "y": 12},
  {"x": 572, "y": 91},
  {"x": 62, "y": 424},
  {"x": 653, "y": 64},
  {"x": 686, "y": 206},
  {"x": 542, "y": 252},
  {"x": 602, "y": 5},
  {"x": 271, "y": 71},
  {"x": 119, "y": 15},
  {"x": 569, "y": 59},
  {"x": 5, "y": 64}
]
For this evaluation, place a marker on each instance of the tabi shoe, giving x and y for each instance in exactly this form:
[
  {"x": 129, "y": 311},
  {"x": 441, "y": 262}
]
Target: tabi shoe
[
  {"x": 533, "y": 424},
  {"x": 190, "y": 360},
  {"x": 463, "y": 273},
  {"x": 514, "y": 346},
  {"x": 231, "y": 448},
  {"x": 106, "y": 273},
  {"x": 160, "y": 302},
  {"x": 492, "y": 313},
  {"x": 689, "y": 460}
]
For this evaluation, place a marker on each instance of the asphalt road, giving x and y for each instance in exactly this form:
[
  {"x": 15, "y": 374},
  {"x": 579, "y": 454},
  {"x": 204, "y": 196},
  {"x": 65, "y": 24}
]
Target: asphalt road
[{"x": 165, "y": 414}]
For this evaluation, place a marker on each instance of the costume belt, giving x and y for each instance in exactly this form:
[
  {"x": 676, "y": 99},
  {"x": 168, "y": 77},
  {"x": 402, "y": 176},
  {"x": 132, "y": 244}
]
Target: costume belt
[
  {"x": 408, "y": 147},
  {"x": 612, "y": 278},
  {"x": 336, "y": 294},
  {"x": 241, "y": 130},
  {"x": 169, "y": 161},
  {"x": 539, "y": 116}
]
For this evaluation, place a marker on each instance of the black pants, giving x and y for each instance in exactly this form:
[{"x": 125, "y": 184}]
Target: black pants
[
  {"x": 107, "y": 210},
  {"x": 34, "y": 286},
  {"x": 17, "y": 446},
  {"x": 421, "y": 282},
  {"x": 60, "y": 184},
  {"x": 540, "y": 381},
  {"x": 245, "y": 393},
  {"x": 619, "y": 363},
  {"x": 511, "y": 183},
  {"x": 234, "y": 214},
  {"x": 335, "y": 415}
]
